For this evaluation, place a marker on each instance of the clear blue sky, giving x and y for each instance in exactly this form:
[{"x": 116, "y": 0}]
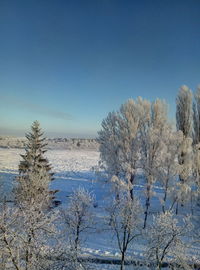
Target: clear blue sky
[{"x": 67, "y": 63}]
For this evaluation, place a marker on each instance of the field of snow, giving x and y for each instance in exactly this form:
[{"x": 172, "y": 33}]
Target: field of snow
[{"x": 73, "y": 169}]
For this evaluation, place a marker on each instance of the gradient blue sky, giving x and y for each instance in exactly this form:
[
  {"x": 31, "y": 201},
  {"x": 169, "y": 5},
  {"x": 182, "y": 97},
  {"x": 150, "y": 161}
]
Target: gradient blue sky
[{"x": 67, "y": 63}]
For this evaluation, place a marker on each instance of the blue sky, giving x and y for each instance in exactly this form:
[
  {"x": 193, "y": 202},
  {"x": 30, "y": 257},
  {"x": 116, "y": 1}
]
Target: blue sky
[{"x": 67, "y": 63}]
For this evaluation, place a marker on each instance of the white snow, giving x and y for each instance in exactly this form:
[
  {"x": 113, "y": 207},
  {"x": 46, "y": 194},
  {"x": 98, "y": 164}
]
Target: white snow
[{"x": 74, "y": 168}]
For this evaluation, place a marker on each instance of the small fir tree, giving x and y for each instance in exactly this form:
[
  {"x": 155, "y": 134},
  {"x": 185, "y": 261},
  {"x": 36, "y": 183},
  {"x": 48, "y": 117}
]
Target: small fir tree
[
  {"x": 33, "y": 159},
  {"x": 34, "y": 169}
]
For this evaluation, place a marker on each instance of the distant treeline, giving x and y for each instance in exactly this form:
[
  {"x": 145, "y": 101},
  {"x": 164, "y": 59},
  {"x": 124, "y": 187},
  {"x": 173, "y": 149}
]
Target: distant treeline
[{"x": 53, "y": 143}]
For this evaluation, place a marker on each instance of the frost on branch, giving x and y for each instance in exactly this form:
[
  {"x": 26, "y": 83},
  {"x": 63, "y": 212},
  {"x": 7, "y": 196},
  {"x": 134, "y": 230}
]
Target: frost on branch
[
  {"x": 152, "y": 138},
  {"x": 124, "y": 221},
  {"x": 109, "y": 144},
  {"x": 165, "y": 239},
  {"x": 184, "y": 111},
  {"x": 169, "y": 168},
  {"x": 79, "y": 219},
  {"x": 24, "y": 234},
  {"x": 34, "y": 169}
]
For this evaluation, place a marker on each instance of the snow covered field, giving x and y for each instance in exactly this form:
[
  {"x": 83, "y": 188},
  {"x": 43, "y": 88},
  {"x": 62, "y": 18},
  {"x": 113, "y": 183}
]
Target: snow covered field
[
  {"x": 73, "y": 169},
  {"x": 61, "y": 160}
]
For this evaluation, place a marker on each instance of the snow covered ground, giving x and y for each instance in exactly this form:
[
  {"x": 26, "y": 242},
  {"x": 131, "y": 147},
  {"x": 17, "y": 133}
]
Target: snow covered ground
[{"x": 73, "y": 169}]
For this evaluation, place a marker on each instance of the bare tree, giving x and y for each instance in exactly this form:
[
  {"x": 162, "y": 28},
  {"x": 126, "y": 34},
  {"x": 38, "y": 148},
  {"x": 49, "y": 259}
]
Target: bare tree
[
  {"x": 123, "y": 219},
  {"x": 165, "y": 239},
  {"x": 9, "y": 244},
  {"x": 169, "y": 168},
  {"x": 24, "y": 235},
  {"x": 152, "y": 136},
  {"x": 79, "y": 218}
]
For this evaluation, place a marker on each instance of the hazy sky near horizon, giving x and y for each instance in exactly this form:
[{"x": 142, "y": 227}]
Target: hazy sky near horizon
[{"x": 67, "y": 63}]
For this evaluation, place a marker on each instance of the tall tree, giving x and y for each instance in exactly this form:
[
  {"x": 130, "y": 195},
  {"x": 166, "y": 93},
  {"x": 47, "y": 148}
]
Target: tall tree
[
  {"x": 184, "y": 123},
  {"x": 109, "y": 144},
  {"x": 119, "y": 142},
  {"x": 129, "y": 125},
  {"x": 184, "y": 111},
  {"x": 170, "y": 167},
  {"x": 152, "y": 136}
]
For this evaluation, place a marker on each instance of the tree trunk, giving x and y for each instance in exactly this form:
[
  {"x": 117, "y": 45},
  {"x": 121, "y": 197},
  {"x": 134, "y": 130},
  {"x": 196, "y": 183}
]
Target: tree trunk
[
  {"x": 122, "y": 261},
  {"x": 191, "y": 201},
  {"x": 147, "y": 205},
  {"x": 132, "y": 181},
  {"x": 117, "y": 190},
  {"x": 177, "y": 208},
  {"x": 159, "y": 266},
  {"x": 165, "y": 196},
  {"x": 28, "y": 252},
  {"x": 77, "y": 240}
]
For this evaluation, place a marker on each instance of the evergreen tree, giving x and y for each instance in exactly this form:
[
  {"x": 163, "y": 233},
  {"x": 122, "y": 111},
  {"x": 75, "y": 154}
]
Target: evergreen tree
[
  {"x": 33, "y": 159},
  {"x": 34, "y": 169}
]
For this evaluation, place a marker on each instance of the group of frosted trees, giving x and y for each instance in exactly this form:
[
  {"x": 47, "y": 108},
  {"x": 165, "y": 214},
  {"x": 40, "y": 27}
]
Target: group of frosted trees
[
  {"x": 138, "y": 146},
  {"x": 139, "y": 139}
]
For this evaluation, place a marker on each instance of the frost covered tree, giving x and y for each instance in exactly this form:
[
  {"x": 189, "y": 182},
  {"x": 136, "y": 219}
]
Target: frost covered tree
[
  {"x": 34, "y": 158},
  {"x": 119, "y": 142},
  {"x": 182, "y": 191},
  {"x": 9, "y": 246},
  {"x": 165, "y": 240},
  {"x": 79, "y": 219},
  {"x": 124, "y": 221},
  {"x": 196, "y": 165},
  {"x": 152, "y": 134},
  {"x": 185, "y": 124},
  {"x": 184, "y": 111},
  {"x": 24, "y": 236},
  {"x": 32, "y": 188},
  {"x": 169, "y": 168},
  {"x": 34, "y": 168},
  {"x": 184, "y": 118},
  {"x": 109, "y": 147},
  {"x": 129, "y": 125}
]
